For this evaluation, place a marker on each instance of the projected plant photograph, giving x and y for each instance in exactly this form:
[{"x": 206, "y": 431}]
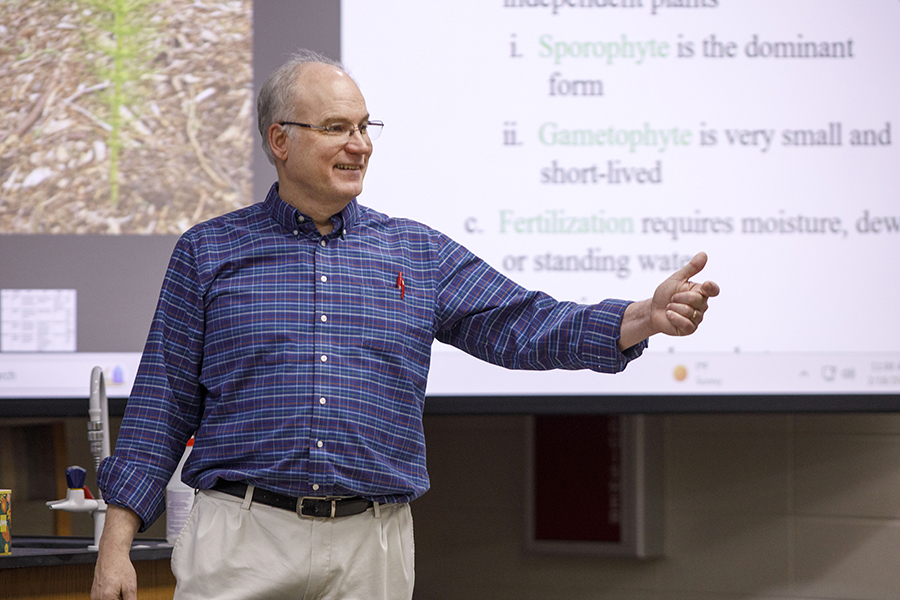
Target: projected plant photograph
[{"x": 123, "y": 116}]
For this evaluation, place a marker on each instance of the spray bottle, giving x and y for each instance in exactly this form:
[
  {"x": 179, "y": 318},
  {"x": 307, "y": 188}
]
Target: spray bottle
[{"x": 179, "y": 499}]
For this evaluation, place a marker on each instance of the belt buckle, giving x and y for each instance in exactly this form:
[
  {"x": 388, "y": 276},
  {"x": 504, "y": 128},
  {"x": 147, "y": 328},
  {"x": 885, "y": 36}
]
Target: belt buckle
[{"x": 314, "y": 512}]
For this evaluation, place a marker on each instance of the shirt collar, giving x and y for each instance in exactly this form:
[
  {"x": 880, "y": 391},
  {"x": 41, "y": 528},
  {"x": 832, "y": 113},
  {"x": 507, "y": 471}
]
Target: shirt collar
[{"x": 289, "y": 217}]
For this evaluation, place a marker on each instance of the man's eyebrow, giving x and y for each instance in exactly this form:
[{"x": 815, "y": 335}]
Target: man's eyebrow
[{"x": 341, "y": 119}]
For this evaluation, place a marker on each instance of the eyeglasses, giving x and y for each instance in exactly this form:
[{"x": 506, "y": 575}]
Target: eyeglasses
[{"x": 369, "y": 129}]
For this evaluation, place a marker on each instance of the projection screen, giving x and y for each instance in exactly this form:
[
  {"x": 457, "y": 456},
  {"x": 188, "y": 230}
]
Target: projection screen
[{"x": 587, "y": 148}]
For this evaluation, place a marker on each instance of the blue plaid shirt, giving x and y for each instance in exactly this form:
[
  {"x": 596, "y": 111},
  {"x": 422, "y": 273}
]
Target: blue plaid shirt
[{"x": 299, "y": 361}]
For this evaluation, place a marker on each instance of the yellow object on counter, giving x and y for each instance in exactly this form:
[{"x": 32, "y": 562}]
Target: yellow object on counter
[{"x": 5, "y": 520}]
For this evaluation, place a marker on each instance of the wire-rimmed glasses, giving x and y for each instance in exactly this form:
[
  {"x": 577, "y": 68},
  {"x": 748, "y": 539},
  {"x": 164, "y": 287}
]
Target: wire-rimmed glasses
[{"x": 369, "y": 129}]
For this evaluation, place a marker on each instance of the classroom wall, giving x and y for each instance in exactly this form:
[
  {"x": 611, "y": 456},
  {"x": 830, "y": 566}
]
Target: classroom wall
[
  {"x": 775, "y": 507},
  {"x": 757, "y": 506}
]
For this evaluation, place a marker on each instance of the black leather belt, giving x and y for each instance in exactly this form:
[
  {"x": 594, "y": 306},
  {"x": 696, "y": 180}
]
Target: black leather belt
[{"x": 305, "y": 506}]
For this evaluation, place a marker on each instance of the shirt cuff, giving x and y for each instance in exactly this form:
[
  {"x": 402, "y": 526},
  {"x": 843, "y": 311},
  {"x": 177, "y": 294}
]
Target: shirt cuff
[
  {"x": 122, "y": 484},
  {"x": 603, "y": 337}
]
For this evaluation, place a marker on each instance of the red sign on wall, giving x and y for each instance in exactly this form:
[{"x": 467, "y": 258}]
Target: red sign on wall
[{"x": 577, "y": 478}]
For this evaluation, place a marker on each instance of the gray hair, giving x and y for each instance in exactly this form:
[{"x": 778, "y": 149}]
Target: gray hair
[{"x": 278, "y": 93}]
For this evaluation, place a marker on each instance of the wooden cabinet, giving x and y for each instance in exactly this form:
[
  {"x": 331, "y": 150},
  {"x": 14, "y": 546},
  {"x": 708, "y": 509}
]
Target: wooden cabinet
[{"x": 73, "y": 582}]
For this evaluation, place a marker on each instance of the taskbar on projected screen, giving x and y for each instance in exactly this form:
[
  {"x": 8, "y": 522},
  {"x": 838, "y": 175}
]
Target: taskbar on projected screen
[
  {"x": 690, "y": 373},
  {"x": 453, "y": 373},
  {"x": 65, "y": 374}
]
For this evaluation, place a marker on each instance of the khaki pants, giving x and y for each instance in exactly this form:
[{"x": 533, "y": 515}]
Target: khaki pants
[{"x": 229, "y": 549}]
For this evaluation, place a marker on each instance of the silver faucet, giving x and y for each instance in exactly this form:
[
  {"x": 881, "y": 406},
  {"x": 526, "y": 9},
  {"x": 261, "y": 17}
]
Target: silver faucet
[{"x": 98, "y": 436}]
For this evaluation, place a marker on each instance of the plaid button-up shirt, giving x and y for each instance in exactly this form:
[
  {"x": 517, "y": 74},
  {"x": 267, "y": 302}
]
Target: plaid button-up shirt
[{"x": 299, "y": 361}]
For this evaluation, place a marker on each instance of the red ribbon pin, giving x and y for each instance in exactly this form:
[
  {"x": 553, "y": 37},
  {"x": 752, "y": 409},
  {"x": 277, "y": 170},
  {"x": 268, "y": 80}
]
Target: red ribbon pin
[{"x": 401, "y": 285}]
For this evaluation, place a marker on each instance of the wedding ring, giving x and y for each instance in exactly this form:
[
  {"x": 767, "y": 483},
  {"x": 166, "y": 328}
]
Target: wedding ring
[{"x": 694, "y": 316}]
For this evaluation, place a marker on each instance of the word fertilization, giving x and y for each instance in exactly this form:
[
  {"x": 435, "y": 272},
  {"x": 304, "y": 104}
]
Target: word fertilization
[{"x": 654, "y": 7}]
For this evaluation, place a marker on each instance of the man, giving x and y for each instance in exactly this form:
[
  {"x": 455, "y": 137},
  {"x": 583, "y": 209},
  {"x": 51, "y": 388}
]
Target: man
[{"x": 292, "y": 339}]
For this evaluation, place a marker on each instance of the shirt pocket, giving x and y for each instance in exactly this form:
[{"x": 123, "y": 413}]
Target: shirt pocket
[{"x": 395, "y": 320}]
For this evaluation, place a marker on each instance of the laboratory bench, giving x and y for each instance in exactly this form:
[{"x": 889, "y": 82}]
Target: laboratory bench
[{"x": 59, "y": 567}]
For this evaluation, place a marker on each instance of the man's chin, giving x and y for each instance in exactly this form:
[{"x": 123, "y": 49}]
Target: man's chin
[{"x": 351, "y": 190}]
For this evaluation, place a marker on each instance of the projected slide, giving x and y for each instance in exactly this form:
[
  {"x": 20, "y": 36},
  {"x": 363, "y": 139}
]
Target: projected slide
[
  {"x": 582, "y": 147},
  {"x": 590, "y": 148}
]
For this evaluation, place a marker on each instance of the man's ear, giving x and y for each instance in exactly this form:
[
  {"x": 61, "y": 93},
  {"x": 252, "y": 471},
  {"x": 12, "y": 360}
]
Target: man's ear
[{"x": 278, "y": 141}]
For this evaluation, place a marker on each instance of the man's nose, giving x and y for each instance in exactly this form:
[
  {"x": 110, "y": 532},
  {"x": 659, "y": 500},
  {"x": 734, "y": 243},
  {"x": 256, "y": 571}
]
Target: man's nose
[{"x": 357, "y": 142}]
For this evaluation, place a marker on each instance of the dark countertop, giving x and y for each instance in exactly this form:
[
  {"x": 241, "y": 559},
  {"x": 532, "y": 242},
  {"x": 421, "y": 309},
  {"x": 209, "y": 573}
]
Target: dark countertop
[{"x": 44, "y": 551}]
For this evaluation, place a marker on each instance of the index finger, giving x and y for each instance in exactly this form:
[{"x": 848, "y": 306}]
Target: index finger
[{"x": 709, "y": 288}]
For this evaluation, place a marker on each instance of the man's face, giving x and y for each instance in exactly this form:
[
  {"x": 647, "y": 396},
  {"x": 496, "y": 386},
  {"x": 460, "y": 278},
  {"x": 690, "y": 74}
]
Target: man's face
[{"x": 326, "y": 170}]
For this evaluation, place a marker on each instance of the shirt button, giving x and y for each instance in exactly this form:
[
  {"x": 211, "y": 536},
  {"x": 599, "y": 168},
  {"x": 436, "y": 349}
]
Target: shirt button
[
  {"x": 322, "y": 243},
  {"x": 319, "y": 444},
  {"x": 300, "y": 218},
  {"x": 323, "y": 358},
  {"x": 296, "y": 232},
  {"x": 322, "y": 400},
  {"x": 315, "y": 486},
  {"x": 323, "y": 279},
  {"x": 324, "y": 318}
]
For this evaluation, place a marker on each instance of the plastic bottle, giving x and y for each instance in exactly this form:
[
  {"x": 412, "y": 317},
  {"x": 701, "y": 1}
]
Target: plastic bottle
[{"x": 179, "y": 499}]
